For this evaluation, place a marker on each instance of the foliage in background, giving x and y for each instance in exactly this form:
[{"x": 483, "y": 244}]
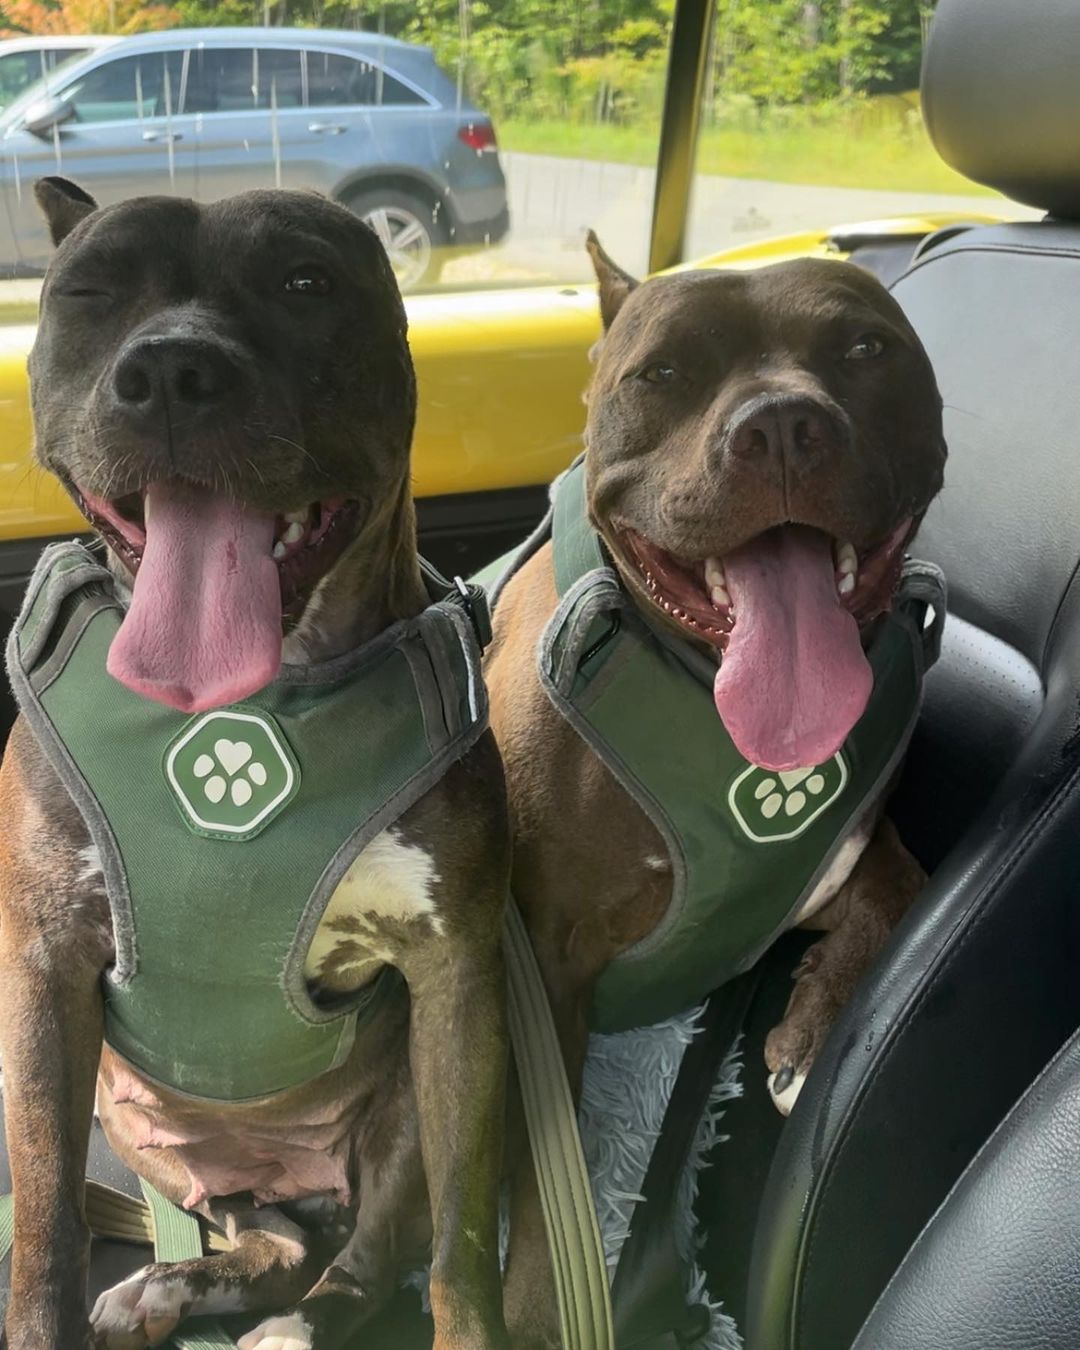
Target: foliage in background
[
  {"x": 582, "y": 61},
  {"x": 20, "y": 17}
]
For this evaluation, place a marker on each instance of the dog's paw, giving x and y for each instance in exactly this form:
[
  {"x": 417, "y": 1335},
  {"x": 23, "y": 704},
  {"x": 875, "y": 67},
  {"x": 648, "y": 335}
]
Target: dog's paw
[
  {"x": 784, "y": 1088},
  {"x": 142, "y": 1311},
  {"x": 293, "y": 1332},
  {"x": 792, "y": 1046}
]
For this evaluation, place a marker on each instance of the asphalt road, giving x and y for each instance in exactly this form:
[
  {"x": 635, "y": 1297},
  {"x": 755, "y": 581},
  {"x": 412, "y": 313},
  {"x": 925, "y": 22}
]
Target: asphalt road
[{"x": 554, "y": 200}]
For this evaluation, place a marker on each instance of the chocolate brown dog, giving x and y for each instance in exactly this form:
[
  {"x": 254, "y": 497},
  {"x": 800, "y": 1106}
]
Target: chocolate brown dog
[
  {"x": 227, "y": 391},
  {"x": 761, "y": 447}
]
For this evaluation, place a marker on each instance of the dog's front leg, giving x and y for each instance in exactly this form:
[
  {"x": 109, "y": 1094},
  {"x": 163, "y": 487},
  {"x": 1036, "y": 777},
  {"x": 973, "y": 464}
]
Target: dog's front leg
[
  {"x": 857, "y": 921},
  {"x": 50, "y": 1040},
  {"x": 459, "y": 1062}
]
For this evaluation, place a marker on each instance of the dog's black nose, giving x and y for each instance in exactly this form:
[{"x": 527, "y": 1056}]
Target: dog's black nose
[
  {"x": 784, "y": 426},
  {"x": 181, "y": 375}
]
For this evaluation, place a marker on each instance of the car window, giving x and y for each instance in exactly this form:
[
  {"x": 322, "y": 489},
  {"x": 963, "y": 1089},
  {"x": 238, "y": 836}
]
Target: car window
[
  {"x": 238, "y": 79},
  {"x": 345, "y": 81},
  {"x": 128, "y": 88},
  {"x": 19, "y": 70},
  {"x": 242, "y": 79}
]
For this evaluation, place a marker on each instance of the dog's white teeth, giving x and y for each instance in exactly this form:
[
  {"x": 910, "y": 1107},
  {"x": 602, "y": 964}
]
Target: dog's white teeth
[
  {"x": 847, "y": 568},
  {"x": 298, "y": 517},
  {"x": 714, "y": 574},
  {"x": 279, "y": 551},
  {"x": 293, "y": 534},
  {"x": 720, "y": 598}
]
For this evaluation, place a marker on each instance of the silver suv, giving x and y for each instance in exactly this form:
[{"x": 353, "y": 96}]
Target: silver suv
[{"x": 204, "y": 113}]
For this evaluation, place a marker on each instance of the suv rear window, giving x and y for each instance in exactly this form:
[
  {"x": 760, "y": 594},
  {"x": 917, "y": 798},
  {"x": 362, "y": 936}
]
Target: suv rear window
[{"x": 334, "y": 80}]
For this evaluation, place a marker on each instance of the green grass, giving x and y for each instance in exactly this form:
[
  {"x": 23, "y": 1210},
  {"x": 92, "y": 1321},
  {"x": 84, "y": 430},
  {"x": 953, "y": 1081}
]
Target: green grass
[
  {"x": 17, "y": 311},
  {"x": 827, "y": 150}
]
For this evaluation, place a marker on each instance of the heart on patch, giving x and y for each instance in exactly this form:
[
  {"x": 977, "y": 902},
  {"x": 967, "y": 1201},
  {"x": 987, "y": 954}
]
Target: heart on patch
[{"x": 232, "y": 755}]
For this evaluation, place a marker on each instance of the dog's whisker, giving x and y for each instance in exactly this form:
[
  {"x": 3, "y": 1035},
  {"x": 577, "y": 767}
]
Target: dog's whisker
[
  {"x": 294, "y": 445},
  {"x": 964, "y": 412},
  {"x": 255, "y": 470}
]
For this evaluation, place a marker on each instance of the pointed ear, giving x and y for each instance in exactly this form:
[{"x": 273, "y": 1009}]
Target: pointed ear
[
  {"x": 615, "y": 284},
  {"x": 63, "y": 204}
]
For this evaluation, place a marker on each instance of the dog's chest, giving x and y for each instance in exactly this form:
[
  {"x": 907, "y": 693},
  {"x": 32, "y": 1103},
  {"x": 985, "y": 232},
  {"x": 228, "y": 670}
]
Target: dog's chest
[{"x": 387, "y": 899}]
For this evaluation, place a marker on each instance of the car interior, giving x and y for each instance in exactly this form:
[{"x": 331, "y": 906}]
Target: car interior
[
  {"x": 907, "y": 1202},
  {"x": 921, "y": 1194}
]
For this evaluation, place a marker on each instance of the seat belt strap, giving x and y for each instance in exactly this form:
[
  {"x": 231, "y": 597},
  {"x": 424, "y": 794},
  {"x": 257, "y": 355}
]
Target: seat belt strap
[{"x": 577, "y": 1252}]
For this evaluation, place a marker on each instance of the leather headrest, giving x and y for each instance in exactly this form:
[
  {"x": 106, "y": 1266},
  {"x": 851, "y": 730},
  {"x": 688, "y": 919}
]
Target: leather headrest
[{"x": 1001, "y": 97}]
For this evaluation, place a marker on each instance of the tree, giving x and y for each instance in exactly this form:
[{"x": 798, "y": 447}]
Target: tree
[{"x": 20, "y": 17}]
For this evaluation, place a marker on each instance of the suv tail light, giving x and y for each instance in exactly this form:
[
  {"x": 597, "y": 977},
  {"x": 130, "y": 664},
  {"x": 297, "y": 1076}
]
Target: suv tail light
[{"x": 478, "y": 136}]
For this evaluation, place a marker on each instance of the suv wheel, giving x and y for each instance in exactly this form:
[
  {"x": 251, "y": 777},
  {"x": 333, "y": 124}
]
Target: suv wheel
[{"x": 407, "y": 230}]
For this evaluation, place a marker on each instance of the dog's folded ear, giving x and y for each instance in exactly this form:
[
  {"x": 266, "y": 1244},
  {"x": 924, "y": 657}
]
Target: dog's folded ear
[
  {"x": 63, "y": 205},
  {"x": 615, "y": 284}
]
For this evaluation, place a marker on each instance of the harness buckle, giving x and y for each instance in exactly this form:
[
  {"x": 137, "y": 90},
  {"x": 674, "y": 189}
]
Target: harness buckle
[{"x": 474, "y": 603}]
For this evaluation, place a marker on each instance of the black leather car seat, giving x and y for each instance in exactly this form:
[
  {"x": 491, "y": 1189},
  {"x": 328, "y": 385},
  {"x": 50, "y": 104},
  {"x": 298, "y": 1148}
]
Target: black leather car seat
[
  {"x": 978, "y": 989},
  {"x": 998, "y": 1266}
]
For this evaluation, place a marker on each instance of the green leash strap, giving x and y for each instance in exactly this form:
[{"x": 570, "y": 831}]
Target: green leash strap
[
  {"x": 178, "y": 1237},
  {"x": 7, "y": 1224},
  {"x": 109, "y": 1214},
  {"x": 577, "y": 1252}
]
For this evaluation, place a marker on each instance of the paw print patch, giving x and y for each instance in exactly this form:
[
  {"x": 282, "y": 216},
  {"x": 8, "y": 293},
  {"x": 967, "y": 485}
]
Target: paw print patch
[
  {"x": 231, "y": 773},
  {"x": 773, "y": 807}
]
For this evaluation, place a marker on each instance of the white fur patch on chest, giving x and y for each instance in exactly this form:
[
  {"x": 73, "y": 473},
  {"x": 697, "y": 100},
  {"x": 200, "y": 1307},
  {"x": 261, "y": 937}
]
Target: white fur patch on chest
[
  {"x": 390, "y": 883},
  {"x": 841, "y": 867}
]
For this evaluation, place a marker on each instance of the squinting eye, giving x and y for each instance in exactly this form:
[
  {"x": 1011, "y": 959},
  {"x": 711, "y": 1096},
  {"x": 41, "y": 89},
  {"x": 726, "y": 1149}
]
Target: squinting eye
[
  {"x": 867, "y": 347},
  {"x": 658, "y": 374},
  {"x": 309, "y": 281}
]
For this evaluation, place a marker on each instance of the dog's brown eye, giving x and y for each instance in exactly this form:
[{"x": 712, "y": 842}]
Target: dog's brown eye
[
  {"x": 658, "y": 374},
  {"x": 865, "y": 349},
  {"x": 309, "y": 281}
]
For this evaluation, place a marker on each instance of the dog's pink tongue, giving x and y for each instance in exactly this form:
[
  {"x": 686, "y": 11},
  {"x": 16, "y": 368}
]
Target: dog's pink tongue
[
  {"x": 204, "y": 626},
  {"x": 794, "y": 679}
]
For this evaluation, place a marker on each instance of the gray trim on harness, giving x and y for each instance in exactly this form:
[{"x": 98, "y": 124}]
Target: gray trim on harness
[{"x": 61, "y": 586}]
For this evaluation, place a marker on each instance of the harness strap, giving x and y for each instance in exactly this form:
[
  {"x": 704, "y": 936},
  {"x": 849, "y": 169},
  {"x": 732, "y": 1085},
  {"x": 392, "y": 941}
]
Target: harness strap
[
  {"x": 577, "y": 1252},
  {"x": 576, "y": 547}
]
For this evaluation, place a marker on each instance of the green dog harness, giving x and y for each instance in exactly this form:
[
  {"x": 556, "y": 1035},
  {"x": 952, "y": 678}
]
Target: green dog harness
[
  {"x": 223, "y": 836},
  {"x": 747, "y": 846}
]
